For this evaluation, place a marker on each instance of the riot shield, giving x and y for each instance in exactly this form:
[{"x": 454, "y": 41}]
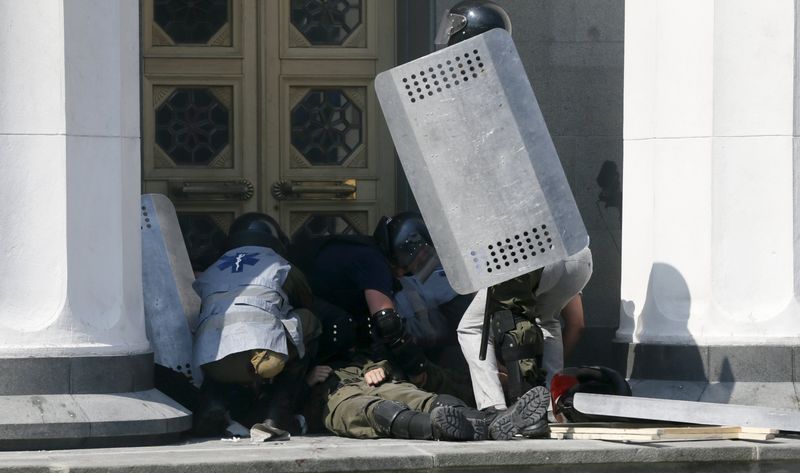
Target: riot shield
[
  {"x": 480, "y": 161},
  {"x": 170, "y": 302}
]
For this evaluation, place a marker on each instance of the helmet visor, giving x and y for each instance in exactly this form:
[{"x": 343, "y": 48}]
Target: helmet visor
[
  {"x": 449, "y": 25},
  {"x": 424, "y": 264},
  {"x": 407, "y": 251},
  {"x": 416, "y": 256}
]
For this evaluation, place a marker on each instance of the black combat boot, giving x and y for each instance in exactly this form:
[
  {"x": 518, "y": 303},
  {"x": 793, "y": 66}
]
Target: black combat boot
[
  {"x": 395, "y": 419},
  {"x": 478, "y": 420},
  {"x": 450, "y": 423},
  {"x": 527, "y": 416}
]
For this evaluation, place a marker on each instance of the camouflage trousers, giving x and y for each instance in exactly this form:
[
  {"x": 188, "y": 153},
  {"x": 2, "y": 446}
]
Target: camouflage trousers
[{"x": 349, "y": 410}]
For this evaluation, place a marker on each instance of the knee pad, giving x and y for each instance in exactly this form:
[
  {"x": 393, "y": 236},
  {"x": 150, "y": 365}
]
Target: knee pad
[
  {"x": 395, "y": 419},
  {"x": 384, "y": 414},
  {"x": 516, "y": 339}
]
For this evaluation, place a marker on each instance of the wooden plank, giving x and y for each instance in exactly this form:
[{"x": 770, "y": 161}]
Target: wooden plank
[
  {"x": 604, "y": 436},
  {"x": 639, "y": 432}
]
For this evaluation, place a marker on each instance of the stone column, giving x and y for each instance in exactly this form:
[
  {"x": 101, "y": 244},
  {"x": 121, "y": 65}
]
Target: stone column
[
  {"x": 75, "y": 365},
  {"x": 710, "y": 215}
]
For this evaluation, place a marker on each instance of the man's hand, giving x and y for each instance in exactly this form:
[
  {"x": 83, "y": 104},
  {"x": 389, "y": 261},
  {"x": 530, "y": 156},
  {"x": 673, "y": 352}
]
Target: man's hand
[
  {"x": 318, "y": 374},
  {"x": 375, "y": 376}
]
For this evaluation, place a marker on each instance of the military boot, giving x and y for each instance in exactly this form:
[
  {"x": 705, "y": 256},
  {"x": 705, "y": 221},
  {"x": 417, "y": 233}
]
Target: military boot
[
  {"x": 527, "y": 416},
  {"x": 450, "y": 423},
  {"x": 395, "y": 419},
  {"x": 477, "y": 419}
]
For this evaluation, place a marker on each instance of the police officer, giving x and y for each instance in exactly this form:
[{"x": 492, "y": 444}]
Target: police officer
[
  {"x": 525, "y": 305},
  {"x": 358, "y": 274},
  {"x": 254, "y": 329}
]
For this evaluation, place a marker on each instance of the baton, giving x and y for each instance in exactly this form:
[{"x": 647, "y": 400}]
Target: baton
[{"x": 487, "y": 325}]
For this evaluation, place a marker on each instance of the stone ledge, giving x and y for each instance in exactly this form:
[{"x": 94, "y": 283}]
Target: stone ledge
[
  {"x": 712, "y": 363},
  {"x": 89, "y": 420},
  {"x": 333, "y": 454}
]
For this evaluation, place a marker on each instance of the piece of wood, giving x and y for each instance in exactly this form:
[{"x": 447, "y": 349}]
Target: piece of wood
[{"x": 651, "y": 432}]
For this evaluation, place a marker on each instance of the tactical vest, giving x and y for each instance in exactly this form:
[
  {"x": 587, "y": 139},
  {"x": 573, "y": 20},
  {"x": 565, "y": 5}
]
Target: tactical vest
[{"x": 244, "y": 306}]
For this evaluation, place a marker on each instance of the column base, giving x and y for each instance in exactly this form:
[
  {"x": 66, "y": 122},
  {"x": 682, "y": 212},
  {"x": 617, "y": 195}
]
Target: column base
[
  {"x": 58, "y": 421},
  {"x": 749, "y": 375},
  {"x": 78, "y": 402}
]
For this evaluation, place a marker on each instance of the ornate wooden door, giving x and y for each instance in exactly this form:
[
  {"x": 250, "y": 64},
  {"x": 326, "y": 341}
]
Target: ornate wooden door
[{"x": 267, "y": 105}]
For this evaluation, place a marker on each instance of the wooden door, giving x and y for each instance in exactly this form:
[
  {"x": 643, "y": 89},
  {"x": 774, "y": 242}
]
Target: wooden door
[{"x": 267, "y": 105}]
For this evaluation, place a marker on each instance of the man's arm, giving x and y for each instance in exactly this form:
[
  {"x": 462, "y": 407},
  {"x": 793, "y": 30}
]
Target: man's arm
[
  {"x": 572, "y": 314},
  {"x": 377, "y": 301}
]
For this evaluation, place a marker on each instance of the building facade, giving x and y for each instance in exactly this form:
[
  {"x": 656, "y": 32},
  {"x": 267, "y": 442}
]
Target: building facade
[{"x": 230, "y": 106}]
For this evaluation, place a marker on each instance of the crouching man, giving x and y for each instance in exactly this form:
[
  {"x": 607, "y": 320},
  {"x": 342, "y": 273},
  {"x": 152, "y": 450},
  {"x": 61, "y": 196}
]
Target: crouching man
[{"x": 253, "y": 334}]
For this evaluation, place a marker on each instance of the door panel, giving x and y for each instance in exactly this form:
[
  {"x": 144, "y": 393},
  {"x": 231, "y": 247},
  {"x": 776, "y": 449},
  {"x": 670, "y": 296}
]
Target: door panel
[
  {"x": 331, "y": 134},
  {"x": 327, "y": 132},
  {"x": 325, "y": 29},
  {"x": 267, "y": 106}
]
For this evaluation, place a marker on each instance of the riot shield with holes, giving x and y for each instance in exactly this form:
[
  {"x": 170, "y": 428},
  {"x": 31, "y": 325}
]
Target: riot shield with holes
[
  {"x": 480, "y": 161},
  {"x": 170, "y": 302}
]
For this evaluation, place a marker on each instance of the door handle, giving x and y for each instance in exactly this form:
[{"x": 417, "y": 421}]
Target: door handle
[
  {"x": 212, "y": 190},
  {"x": 283, "y": 190}
]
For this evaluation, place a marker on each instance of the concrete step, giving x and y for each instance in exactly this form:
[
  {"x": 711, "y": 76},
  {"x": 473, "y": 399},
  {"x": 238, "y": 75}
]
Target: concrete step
[{"x": 334, "y": 454}]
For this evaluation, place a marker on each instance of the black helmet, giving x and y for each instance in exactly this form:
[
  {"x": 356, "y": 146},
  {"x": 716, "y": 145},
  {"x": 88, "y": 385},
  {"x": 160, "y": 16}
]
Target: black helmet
[
  {"x": 584, "y": 379},
  {"x": 401, "y": 237},
  {"x": 470, "y": 18},
  {"x": 257, "y": 229}
]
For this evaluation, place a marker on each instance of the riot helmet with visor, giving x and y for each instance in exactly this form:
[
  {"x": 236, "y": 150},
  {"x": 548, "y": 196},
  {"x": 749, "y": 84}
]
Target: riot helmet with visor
[
  {"x": 470, "y": 18},
  {"x": 405, "y": 241}
]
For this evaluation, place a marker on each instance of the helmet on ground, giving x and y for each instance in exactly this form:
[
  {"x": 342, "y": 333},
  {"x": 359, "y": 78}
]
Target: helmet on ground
[
  {"x": 257, "y": 229},
  {"x": 470, "y": 18},
  {"x": 583, "y": 379}
]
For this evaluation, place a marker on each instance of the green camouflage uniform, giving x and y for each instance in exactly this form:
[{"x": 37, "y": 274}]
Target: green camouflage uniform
[
  {"x": 518, "y": 295},
  {"x": 345, "y": 402}
]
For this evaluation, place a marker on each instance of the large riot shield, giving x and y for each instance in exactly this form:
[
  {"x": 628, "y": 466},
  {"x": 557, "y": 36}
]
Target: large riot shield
[
  {"x": 480, "y": 161},
  {"x": 170, "y": 302}
]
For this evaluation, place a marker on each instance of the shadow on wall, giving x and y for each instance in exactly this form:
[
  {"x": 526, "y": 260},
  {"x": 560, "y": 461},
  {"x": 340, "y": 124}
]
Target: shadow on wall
[
  {"x": 666, "y": 361},
  {"x": 610, "y": 183}
]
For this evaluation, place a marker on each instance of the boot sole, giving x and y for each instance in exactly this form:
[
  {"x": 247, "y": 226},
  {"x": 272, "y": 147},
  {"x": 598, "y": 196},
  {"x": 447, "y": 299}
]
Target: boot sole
[
  {"x": 527, "y": 412},
  {"x": 537, "y": 430},
  {"x": 450, "y": 424}
]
